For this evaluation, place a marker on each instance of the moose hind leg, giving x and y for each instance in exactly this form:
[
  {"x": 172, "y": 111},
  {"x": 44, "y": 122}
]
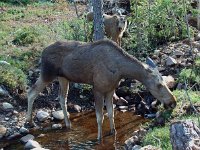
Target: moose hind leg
[
  {"x": 32, "y": 94},
  {"x": 99, "y": 101},
  {"x": 63, "y": 93},
  {"x": 109, "y": 107}
]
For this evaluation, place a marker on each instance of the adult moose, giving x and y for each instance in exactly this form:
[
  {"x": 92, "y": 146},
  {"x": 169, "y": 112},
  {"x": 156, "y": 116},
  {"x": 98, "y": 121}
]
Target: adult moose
[{"x": 101, "y": 64}]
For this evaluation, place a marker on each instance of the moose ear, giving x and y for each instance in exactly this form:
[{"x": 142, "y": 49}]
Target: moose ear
[{"x": 150, "y": 62}]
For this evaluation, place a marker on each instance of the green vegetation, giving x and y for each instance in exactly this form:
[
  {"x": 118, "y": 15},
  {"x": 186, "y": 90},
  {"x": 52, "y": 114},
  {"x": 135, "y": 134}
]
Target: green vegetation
[
  {"x": 159, "y": 136},
  {"x": 12, "y": 77},
  {"x": 155, "y": 23},
  {"x": 26, "y": 30}
]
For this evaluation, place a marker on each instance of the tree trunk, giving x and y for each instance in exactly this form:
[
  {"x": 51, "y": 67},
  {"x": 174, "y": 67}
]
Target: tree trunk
[
  {"x": 198, "y": 16},
  {"x": 185, "y": 135},
  {"x": 98, "y": 19}
]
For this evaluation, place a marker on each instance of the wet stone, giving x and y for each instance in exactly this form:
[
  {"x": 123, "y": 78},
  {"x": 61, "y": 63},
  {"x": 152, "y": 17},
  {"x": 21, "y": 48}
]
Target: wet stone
[
  {"x": 58, "y": 115},
  {"x": 32, "y": 144},
  {"x": 26, "y": 138}
]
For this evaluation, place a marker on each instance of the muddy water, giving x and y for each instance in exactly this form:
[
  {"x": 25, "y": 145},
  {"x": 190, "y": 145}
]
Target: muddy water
[{"x": 84, "y": 133}]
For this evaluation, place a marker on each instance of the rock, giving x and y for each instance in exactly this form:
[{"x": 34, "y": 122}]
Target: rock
[
  {"x": 39, "y": 148},
  {"x": 178, "y": 53},
  {"x": 123, "y": 107},
  {"x": 42, "y": 115},
  {"x": 26, "y": 138},
  {"x": 3, "y": 131},
  {"x": 32, "y": 144},
  {"x": 2, "y": 62},
  {"x": 185, "y": 134},
  {"x": 129, "y": 143},
  {"x": 197, "y": 37},
  {"x": 150, "y": 147},
  {"x": 121, "y": 101},
  {"x": 77, "y": 108},
  {"x": 7, "y": 106},
  {"x": 171, "y": 61},
  {"x": 14, "y": 136},
  {"x": 23, "y": 130},
  {"x": 3, "y": 92},
  {"x": 6, "y": 118},
  {"x": 136, "y": 147},
  {"x": 169, "y": 81},
  {"x": 57, "y": 126},
  {"x": 58, "y": 115},
  {"x": 180, "y": 86}
]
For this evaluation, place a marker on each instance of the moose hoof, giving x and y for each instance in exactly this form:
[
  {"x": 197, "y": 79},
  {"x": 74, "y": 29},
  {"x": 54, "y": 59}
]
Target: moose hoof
[{"x": 113, "y": 132}]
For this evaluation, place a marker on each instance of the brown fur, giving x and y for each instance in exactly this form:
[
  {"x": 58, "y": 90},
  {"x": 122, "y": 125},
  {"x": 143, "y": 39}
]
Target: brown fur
[{"x": 101, "y": 64}]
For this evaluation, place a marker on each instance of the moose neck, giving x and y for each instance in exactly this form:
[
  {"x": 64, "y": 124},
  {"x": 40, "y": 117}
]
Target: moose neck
[{"x": 132, "y": 68}]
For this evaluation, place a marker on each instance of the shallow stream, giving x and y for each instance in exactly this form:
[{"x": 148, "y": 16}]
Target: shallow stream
[{"x": 84, "y": 133}]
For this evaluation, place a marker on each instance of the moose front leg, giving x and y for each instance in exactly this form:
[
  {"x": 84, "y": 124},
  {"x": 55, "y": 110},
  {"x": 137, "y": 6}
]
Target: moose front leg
[
  {"x": 32, "y": 94},
  {"x": 63, "y": 93},
  {"x": 99, "y": 101},
  {"x": 109, "y": 107}
]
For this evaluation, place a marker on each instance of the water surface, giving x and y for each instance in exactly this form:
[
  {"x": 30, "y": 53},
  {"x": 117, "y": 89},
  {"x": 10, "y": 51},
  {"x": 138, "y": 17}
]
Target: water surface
[{"x": 83, "y": 134}]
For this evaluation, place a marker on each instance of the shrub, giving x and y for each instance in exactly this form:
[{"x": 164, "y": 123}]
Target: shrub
[
  {"x": 189, "y": 75},
  {"x": 12, "y": 77},
  {"x": 26, "y": 35},
  {"x": 158, "y": 137}
]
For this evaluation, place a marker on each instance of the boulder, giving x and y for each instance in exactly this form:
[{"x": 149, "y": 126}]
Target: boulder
[
  {"x": 42, "y": 115},
  {"x": 185, "y": 134}
]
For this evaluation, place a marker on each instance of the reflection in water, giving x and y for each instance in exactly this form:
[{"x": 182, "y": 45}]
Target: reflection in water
[{"x": 83, "y": 134}]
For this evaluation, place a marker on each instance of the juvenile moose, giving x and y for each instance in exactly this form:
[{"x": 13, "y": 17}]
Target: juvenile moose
[
  {"x": 101, "y": 64},
  {"x": 115, "y": 26}
]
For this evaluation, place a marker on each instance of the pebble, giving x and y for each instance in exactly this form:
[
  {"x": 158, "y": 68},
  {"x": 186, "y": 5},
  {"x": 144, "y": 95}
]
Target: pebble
[
  {"x": 23, "y": 130},
  {"x": 58, "y": 114},
  {"x": 32, "y": 144},
  {"x": 171, "y": 61},
  {"x": 77, "y": 108},
  {"x": 7, "y": 106},
  {"x": 26, "y": 138},
  {"x": 123, "y": 107},
  {"x": 57, "y": 126},
  {"x": 14, "y": 136},
  {"x": 42, "y": 115}
]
